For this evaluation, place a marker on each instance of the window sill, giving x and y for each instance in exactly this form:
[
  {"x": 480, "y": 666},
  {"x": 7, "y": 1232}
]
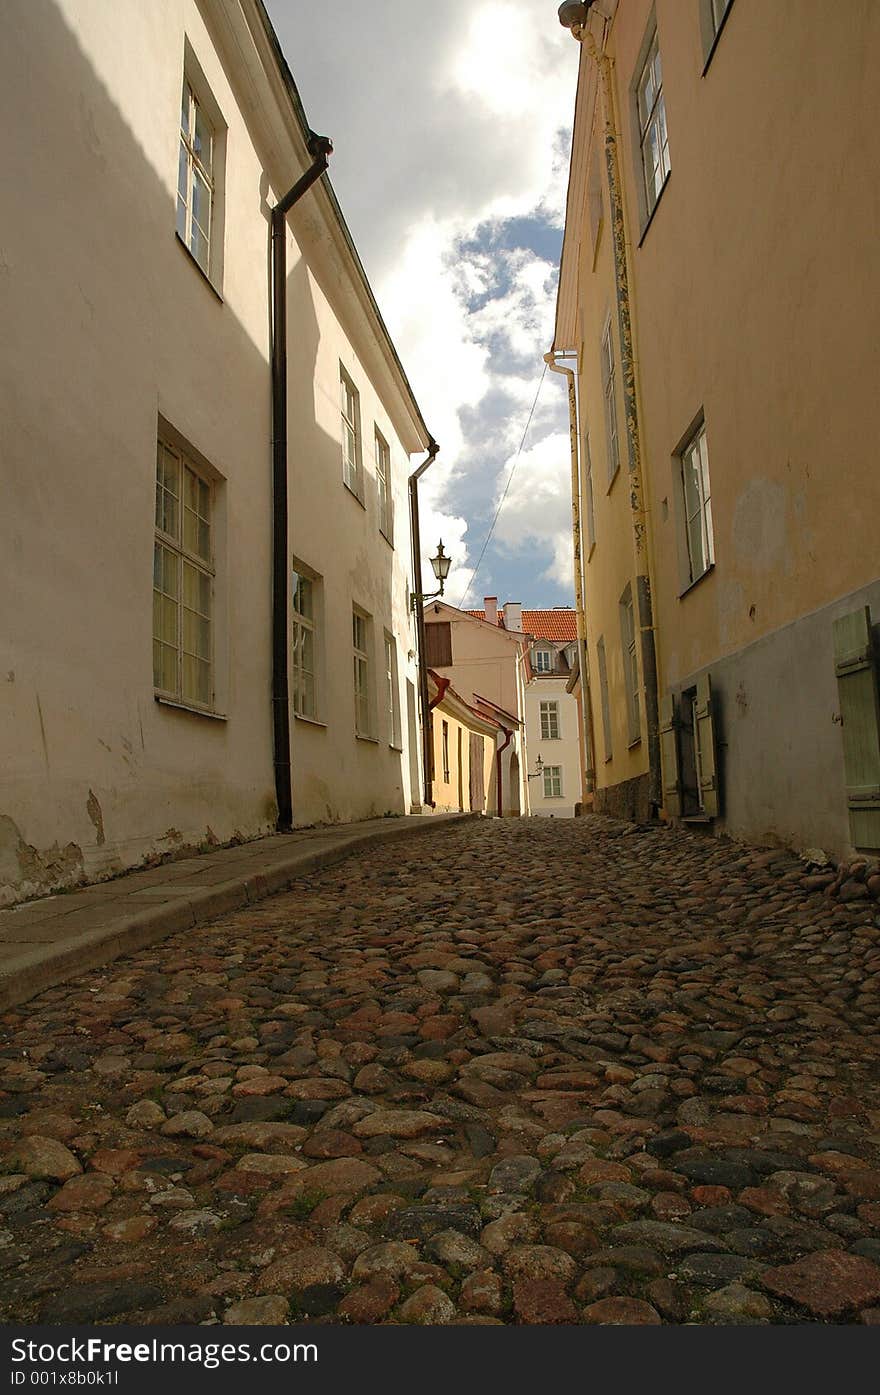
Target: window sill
[
  {"x": 633, "y": 745},
  {"x": 590, "y": 550},
  {"x": 650, "y": 218},
  {"x": 354, "y": 494},
  {"x": 388, "y": 539},
  {"x": 609, "y": 759},
  {"x": 199, "y": 268},
  {"x": 310, "y": 721},
  {"x": 611, "y": 482},
  {"x": 393, "y": 746},
  {"x": 696, "y": 818},
  {"x": 191, "y": 708},
  {"x": 370, "y": 740},
  {"x": 691, "y": 584},
  {"x": 550, "y": 738}
]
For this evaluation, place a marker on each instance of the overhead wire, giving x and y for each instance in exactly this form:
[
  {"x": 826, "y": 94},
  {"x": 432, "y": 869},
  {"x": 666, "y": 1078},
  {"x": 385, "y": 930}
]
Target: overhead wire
[{"x": 505, "y": 492}]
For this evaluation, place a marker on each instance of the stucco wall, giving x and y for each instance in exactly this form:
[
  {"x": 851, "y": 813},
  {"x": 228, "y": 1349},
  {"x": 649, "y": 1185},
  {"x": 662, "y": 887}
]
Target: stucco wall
[
  {"x": 109, "y": 323},
  {"x": 564, "y": 752}
]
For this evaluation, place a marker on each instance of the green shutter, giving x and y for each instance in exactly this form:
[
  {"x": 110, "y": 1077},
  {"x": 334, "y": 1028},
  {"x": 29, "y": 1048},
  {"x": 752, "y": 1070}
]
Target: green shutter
[
  {"x": 704, "y": 732},
  {"x": 669, "y": 755},
  {"x": 856, "y": 668}
]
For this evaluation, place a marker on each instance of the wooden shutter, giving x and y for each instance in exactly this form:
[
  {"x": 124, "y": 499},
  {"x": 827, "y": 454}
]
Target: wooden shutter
[
  {"x": 438, "y": 644},
  {"x": 669, "y": 753},
  {"x": 856, "y": 668},
  {"x": 704, "y": 732}
]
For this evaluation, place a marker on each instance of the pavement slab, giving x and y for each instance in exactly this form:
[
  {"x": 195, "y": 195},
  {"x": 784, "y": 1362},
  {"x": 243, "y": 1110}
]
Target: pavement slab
[{"x": 529, "y": 1072}]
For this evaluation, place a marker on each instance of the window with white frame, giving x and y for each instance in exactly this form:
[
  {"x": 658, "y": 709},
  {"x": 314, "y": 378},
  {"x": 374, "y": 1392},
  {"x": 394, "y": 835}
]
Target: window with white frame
[
  {"x": 392, "y": 694},
  {"x": 588, "y": 494},
  {"x": 360, "y": 640},
  {"x": 630, "y": 664},
  {"x": 195, "y": 178},
  {"x": 304, "y": 658},
  {"x": 697, "y": 505},
  {"x": 383, "y": 485},
  {"x": 351, "y": 434},
  {"x": 543, "y": 661},
  {"x": 603, "y": 691},
  {"x": 552, "y": 781},
  {"x": 549, "y": 721},
  {"x": 609, "y": 393},
  {"x": 445, "y": 748},
  {"x": 652, "y": 125},
  {"x": 183, "y": 580}
]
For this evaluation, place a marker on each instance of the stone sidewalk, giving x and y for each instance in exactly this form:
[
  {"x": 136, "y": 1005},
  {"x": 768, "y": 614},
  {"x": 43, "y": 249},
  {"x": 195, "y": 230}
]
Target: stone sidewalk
[{"x": 46, "y": 942}]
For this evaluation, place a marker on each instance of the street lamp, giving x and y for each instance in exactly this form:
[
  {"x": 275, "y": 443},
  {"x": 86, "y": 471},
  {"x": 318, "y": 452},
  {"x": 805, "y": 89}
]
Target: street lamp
[
  {"x": 440, "y": 566},
  {"x": 539, "y": 769}
]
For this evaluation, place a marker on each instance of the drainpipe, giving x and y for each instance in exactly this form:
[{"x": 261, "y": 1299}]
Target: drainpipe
[
  {"x": 503, "y": 747},
  {"x": 424, "y": 698},
  {"x": 586, "y": 706},
  {"x": 578, "y": 26},
  {"x": 320, "y": 148}
]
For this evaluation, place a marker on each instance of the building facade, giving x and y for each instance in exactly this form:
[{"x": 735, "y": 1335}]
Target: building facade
[
  {"x": 717, "y": 270},
  {"x": 464, "y": 743},
  {"x": 137, "y": 541}
]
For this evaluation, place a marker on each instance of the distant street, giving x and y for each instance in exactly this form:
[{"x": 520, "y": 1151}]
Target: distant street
[{"x": 522, "y": 1072}]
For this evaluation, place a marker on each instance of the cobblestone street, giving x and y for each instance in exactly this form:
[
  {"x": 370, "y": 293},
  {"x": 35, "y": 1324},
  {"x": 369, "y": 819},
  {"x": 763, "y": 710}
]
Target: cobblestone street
[{"x": 518, "y": 1072}]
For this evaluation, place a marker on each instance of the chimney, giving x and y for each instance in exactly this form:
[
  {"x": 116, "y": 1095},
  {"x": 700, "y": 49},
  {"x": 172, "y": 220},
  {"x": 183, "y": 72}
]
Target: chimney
[
  {"x": 513, "y": 615},
  {"x": 490, "y": 606}
]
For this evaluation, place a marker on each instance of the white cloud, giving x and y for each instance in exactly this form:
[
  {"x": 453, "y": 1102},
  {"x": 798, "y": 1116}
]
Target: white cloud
[{"x": 538, "y": 504}]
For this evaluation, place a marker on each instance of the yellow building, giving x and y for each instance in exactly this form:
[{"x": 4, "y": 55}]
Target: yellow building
[
  {"x": 464, "y": 751},
  {"x": 718, "y": 290}
]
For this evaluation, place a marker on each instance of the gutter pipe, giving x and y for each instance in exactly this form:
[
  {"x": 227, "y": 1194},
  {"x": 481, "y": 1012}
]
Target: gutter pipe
[
  {"x": 633, "y": 431},
  {"x": 320, "y": 148},
  {"x": 503, "y": 747},
  {"x": 586, "y": 705},
  {"x": 424, "y": 697}
]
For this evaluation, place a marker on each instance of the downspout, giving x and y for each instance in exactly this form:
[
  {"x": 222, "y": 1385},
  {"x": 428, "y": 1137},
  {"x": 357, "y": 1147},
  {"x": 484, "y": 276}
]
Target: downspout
[
  {"x": 634, "y": 450},
  {"x": 503, "y": 747},
  {"x": 424, "y": 699},
  {"x": 586, "y": 704},
  {"x": 320, "y": 148}
]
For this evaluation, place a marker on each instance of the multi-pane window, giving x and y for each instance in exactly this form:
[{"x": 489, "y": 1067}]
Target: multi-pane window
[
  {"x": 445, "y": 747},
  {"x": 549, "y": 721},
  {"x": 305, "y": 656},
  {"x": 383, "y": 484},
  {"x": 697, "y": 505},
  {"x": 610, "y": 395},
  {"x": 588, "y": 493},
  {"x": 652, "y": 126},
  {"x": 195, "y": 178},
  {"x": 183, "y": 580},
  {"x": 552, "y": 781},
  {"x": 351, "y": 433},
  {"x": 603, "y": 689},
  {"x": 360, "y": 640},
  {"x": 543, "y": 661},
  {"x": 630, "y": 664},
  {"x": 392, "y": 695}
]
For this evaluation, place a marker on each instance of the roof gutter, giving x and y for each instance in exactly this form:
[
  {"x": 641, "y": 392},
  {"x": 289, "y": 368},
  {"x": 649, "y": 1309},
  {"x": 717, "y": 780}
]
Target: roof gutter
[{"x": 320, "y": 148}]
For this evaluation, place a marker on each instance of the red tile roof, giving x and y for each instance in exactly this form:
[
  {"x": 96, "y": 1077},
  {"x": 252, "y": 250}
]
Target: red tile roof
[{"x": 558, "y": 626}]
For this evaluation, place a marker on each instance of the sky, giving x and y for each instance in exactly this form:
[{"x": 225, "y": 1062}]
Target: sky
[{"x": 451, "y": 125}]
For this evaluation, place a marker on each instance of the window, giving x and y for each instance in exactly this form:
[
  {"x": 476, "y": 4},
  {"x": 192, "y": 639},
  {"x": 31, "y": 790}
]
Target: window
[
  {"x": 552, "y": 781},
  {"x": 305, "y": 656},
  {"x": 588, "y": 495},
  {"x": 609, "y": 393},
  {"x": 652, "y": 126},
  {"x": 195, "y": 178},
  {"x": 630, "y": 665},
  {"x": 392, "y": 695},
  {"x": 360, "y": 639},
  {"x": 438, "y": 644},
  {"x": 543, "y": 661},
  {"x": 697, "y": 505},
  {"x": 383, "y": 485},
  {"x": 183, "y": 580},
  {"x": 445, "y": 747},
  {"x": 549, "y": 721},
  {"x": 603, "y": 689},
  {"x": 351, "y": 434}
]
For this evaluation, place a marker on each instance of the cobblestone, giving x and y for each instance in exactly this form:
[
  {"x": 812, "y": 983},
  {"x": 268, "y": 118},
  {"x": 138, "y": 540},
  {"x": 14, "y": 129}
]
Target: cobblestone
[{"x": 533, "y": 1072}]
